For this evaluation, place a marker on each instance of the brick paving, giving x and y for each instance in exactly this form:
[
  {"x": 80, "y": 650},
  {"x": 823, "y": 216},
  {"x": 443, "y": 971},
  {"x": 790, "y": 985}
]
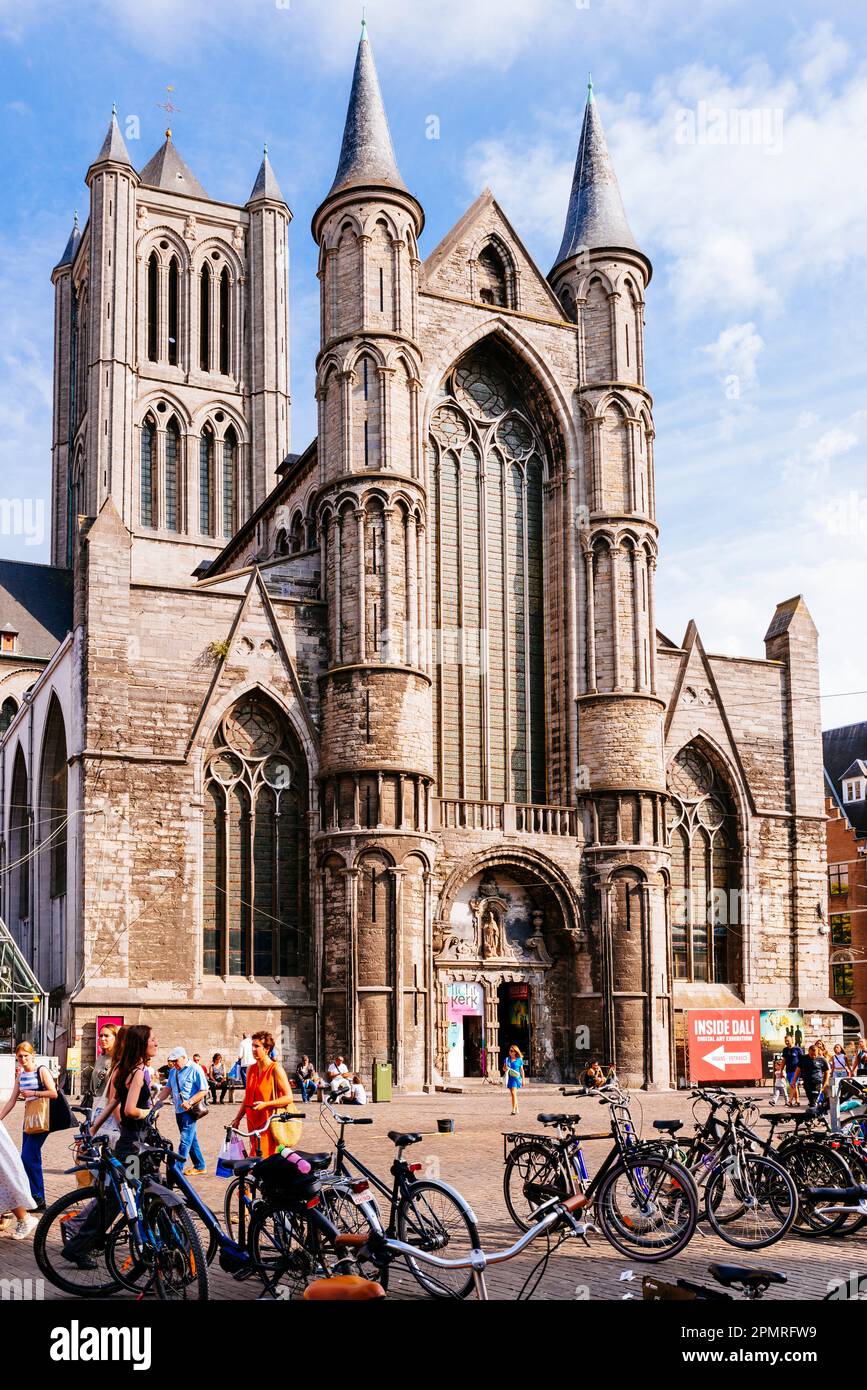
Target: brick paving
[{"x": 472, "y": 1160}]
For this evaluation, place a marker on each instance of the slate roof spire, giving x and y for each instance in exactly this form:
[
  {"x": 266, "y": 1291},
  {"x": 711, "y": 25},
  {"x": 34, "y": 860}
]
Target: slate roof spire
[
  {"x": 367, "y": 154},
  {"x": 266, "y": 185},
  {"x": 114, "y": 149},
  {"x": 72, "y": 244},
  {"x": 168, "y": 171},
  {"x": 596, "y": 218}
]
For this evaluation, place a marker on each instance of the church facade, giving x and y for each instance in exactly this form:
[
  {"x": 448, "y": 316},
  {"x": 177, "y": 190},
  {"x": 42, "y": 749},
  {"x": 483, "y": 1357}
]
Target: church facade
[{"x": 379, "y": 744}]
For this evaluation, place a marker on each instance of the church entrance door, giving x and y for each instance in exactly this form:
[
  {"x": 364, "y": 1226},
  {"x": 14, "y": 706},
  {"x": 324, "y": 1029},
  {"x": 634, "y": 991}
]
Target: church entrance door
[{"x": 513, "y": 1017}]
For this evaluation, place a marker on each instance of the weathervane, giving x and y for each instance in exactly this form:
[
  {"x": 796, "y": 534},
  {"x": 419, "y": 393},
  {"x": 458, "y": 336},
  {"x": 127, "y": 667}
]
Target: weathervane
[{"x": 168, "y": 104}]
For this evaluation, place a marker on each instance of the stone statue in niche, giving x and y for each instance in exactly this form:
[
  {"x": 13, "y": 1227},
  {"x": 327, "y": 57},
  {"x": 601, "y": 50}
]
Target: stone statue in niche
[
  {"x": 190, "y": 229},
  {"x": 490, "y": 937}
]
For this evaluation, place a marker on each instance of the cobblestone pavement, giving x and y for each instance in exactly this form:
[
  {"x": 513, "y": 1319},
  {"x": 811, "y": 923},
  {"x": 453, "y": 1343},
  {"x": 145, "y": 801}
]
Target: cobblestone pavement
[{"x": 472, "y": 1160}]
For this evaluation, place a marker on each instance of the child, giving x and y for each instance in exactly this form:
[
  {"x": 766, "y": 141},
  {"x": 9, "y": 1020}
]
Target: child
[{"x": 779, "y": 1079}]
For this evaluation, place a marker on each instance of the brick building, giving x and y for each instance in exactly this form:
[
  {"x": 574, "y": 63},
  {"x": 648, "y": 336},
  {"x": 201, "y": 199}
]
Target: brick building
[
  {"x": 380, "y": 742},
  {"x": 845, "y": 754}
]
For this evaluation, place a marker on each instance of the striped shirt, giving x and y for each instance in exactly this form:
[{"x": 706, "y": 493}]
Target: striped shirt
[{"x": 29, "y": 1081}]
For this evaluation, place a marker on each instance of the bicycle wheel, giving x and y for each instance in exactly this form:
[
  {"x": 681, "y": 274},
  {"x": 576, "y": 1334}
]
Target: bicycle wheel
[
  {"x": 647, "y": 1208},
  {"x": 432, "y": 1218},
  {"x": 230, "y": 1205},
  {"x": 180, "y": 1267},
  {"x": 56, "y": 1227},
  {"x": 127, "y": 1261},
  {"x": 287, "y": 1249},
  {"x": 815, "y": 1165},
  {"x": 534, "y": 1174},
  {"x": 754, "y": 1209}
]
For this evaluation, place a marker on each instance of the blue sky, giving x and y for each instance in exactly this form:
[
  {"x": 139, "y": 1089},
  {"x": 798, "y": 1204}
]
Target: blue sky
[{"x": 756, "y": 225}]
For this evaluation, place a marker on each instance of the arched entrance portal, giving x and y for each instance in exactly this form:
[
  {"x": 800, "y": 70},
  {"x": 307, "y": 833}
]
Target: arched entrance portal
[{"x": 503, "y": 967}]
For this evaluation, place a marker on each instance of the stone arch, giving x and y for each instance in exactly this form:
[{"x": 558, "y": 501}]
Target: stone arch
[
  {"x": 52, "y": 837},
  {"x": 148, "y": 404},
  {"x": 494, "y": 272},
  {"x": 20, "y": 846},
  {"x": 150, "y": 241}
]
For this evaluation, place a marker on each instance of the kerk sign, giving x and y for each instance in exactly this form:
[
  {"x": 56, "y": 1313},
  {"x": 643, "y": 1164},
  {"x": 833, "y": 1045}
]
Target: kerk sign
[{"x": 724, "y": 1045}]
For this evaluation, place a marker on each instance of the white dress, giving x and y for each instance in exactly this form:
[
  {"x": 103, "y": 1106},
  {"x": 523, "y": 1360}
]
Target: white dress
[{"x": 14, "y": 1187}]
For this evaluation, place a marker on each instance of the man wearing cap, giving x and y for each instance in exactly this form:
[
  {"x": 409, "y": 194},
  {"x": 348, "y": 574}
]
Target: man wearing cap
[{"x": 187, "y": 1085}]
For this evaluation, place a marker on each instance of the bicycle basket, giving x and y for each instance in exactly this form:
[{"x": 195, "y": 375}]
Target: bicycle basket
[{"x": 282, "y": 1182}]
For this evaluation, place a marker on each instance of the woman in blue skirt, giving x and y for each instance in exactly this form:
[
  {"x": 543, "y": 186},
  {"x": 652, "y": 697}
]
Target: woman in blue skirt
[{"x": 514, "y": 1070}]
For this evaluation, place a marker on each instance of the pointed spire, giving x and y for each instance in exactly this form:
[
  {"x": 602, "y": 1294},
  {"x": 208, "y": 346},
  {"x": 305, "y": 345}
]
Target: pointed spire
[
  {"x": 168, "y": 171},
  {"x": 72, "y": 244},
  {"x": 596, "y": 218},
  {"x": 367, "y": 154},
  {"x": 113, "y": 148},
  {"x": 266, "y": 185}
]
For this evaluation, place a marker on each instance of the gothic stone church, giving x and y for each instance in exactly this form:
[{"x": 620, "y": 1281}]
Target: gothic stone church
[{"x": 379, "y": 743}]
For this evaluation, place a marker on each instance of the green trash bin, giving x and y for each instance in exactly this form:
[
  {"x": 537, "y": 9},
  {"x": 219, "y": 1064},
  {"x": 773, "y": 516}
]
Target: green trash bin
[{"x": 381, "y": 1081}]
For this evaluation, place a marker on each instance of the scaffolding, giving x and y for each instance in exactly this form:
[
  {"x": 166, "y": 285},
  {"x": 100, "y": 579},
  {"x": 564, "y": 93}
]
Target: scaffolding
[{"x": 23, "y": 1001}]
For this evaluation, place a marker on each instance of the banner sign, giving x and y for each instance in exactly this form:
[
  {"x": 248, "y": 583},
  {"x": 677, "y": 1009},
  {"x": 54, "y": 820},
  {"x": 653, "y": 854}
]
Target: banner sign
[{"x": 724, "y": 1045}]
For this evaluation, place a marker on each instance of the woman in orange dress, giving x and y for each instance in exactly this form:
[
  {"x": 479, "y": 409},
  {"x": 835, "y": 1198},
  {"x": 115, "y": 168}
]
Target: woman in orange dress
[{"x": 267, "y": 1090}]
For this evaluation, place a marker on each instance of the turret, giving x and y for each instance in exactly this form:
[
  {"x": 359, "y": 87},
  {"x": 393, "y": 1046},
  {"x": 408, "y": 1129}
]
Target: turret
[
  {"x": 111, "y": 318},
  {"x": 63, "y": 407},
  {"x": 600, "y": 276},
  {"x": 268, "y": 304},
  {"x": 377, "y": 767}
]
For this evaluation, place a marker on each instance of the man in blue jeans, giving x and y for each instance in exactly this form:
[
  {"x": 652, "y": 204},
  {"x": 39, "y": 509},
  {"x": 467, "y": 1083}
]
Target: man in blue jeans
[{"x": 187, "y": 1085}]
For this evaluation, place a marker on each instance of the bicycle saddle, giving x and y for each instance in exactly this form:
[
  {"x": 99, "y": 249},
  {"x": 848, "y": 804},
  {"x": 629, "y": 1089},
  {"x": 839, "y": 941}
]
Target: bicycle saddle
[
  {"x": 748, "y": 1278},
  {"x": 557, "y": 1119},
  {"x": 668, "y": 1126},
  {"x": 239, "y": 1165},
  {"x": 402, "y": 1141},
  {"x": 317, "y": 1161},
  {"x": 843, "y": 1195},
  {"x": 776, "y": 1117}
]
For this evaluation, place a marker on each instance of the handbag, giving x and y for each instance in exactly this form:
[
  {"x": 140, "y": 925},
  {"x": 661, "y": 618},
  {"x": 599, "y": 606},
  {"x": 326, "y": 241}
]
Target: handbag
[
  {"x": 286, "y": 1133},
  {"x": 59, "y": 1114},
  {"x": 232, "y": 1150},
  {"x": 36, "y": 1115},
  {"x": 200, "y": 1109}
]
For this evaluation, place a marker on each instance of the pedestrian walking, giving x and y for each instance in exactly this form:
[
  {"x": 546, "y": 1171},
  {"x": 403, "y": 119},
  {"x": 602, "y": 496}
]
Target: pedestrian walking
[
  {"x": 100, "y": 1079},
  {"x": 245, "y": 1056},
  {"x": 815, "y": 1072},
  {"x": 15, "y": 1194},
  {"x": 779, "y": 1079},
  {"x": 513, "y": 1068},
  {"x": 267, "y": 1091},
  {"x": 217, "y": 1077},
  {"x": 792, "y": 1055},
  {"x": 305, "y": 1075},
  {"x": 35, "y": 1087},
  {"x": 188, "y": 1086},
  {"x": 130, "y": 1099},
  {"x": 859, "y": 1061}
]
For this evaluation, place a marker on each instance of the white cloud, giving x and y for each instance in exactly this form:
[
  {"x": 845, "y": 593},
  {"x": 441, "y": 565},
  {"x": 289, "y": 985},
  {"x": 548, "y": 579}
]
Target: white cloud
[{"x": 735, "y": 354}]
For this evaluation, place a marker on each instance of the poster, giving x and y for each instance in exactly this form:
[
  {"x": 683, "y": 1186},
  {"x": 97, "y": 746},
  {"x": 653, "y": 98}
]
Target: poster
[
  {"x": 776, "y": 1023},
  {"x": 724, "y": 1045}
]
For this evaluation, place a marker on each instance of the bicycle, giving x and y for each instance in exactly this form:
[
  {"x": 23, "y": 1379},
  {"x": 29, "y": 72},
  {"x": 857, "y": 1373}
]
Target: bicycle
[
  {"x": 141, "y": 1229},
  {"x": 426, "y": 1213},
  {"x": 816, "y": 1157},
  {"x": 752, "y": 1283},
  {"x": 381, "y": 1249},
  {"x": 750, "y": 1200},
  {"x": 646, "y": 1205}
]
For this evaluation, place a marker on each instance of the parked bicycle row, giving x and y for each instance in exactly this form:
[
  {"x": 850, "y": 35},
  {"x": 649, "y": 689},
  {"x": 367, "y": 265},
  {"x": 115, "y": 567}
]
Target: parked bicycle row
[{"x": 326, "y": 1224}]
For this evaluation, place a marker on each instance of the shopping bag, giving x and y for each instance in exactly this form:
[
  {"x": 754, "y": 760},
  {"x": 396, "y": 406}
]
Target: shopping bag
[
  {"x": 235, "y": 1073},
  {"x": 36, "y": 1116},
  {"x": 233, "y": 1148}
]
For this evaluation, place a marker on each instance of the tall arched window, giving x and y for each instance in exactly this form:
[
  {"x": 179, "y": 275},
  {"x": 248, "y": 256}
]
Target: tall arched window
[
  {"x": 19, "y": 848},
  {"x": 256, "y": 896},
  {"x": 173, "y": 454},
  {"x": 206, "y": 481},
  {"x": 706, "y": 917},
  {"x": 53, "y": 803},
  {"x": 487, "y": 586},
  {"x": 205, "y": 319},
  {"x": 153, "y": 307},
  {"x": 230, "y": 482},
  {"x": 147, "y": 466},
  {"x": 8, "y": 711},
  {"x": 225, "y": 323},
  {"x": 174, "y": 282}
]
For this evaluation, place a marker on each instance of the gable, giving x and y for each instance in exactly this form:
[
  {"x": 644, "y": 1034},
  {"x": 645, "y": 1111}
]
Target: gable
[{"x": 453, "y": 268}]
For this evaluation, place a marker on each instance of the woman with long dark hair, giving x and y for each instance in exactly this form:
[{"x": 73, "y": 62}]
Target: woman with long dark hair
[{"x": 129, "y": 1096}]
